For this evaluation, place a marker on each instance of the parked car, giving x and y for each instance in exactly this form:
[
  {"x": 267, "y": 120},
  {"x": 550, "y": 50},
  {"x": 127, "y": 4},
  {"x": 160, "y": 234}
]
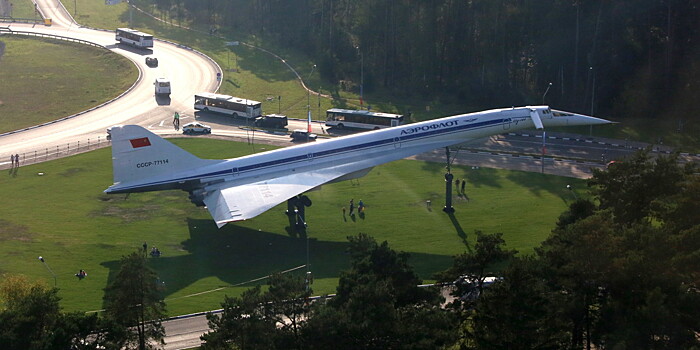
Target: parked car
[
  {"x": 196, "y": 128},
  {"x": 302, "y": 135},
  {"x": 468, "y": 286},
  {"x": 151, "y": 61},
  {"x": 276, "y": 121}
]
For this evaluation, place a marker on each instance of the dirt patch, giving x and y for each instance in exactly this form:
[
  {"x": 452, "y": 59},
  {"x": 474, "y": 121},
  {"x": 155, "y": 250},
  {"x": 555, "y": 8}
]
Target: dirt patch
[
  {"x": 11, "y": 231},
  {"x": 137, "y": 213}
]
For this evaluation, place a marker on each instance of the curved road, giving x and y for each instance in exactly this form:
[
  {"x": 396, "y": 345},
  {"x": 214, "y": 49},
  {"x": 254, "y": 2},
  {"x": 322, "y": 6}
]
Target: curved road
[{"x": 188, "y": 71}]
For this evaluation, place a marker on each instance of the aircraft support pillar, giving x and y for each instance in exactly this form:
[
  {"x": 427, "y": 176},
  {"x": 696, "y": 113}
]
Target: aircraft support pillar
[{"x": 448, "y": 194}]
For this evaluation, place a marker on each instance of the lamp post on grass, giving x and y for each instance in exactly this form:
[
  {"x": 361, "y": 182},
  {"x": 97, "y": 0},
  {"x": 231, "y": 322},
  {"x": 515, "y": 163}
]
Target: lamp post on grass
[
  {"x": 41, "y": 258},
  {"x": 229, "y": 45},
  {"x": 545, "y": 92},
  {"x": 308, "y": 105},
  {"x": 308, "y": 91},
  {"x": 572, "y": 191},
  {"x": 362, "y": 75}
]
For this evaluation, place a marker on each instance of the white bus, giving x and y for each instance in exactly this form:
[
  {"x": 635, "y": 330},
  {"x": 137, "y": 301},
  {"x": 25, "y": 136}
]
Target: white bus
[
  {"x": 162, "y": 86},
  {"x": 234, "y": 106},
  {"x": 134, "y": 37},
  {"x": 350, "y": 118}
]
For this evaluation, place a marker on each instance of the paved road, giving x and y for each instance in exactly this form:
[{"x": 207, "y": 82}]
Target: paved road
[
  {"x": 184, "y": 332},
  {"x": 188, "y": 71}
]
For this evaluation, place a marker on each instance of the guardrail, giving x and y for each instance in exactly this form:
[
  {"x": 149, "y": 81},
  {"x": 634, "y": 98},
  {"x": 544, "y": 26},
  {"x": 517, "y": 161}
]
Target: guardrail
[
  {"x": 51, "y": 36},
  {"x": 21, "y": 20},
  {"x": 54, "y": 152}
]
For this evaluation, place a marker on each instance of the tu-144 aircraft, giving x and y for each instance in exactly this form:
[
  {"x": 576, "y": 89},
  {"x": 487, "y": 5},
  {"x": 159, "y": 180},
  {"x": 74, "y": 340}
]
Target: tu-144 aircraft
[{"x": 242, "y": 188}]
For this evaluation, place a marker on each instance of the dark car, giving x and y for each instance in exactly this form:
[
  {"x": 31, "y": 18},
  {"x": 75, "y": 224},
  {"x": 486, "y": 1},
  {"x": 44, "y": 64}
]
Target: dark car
[
  {"x": 302, "y": 135},
  {"x": 275, "y": 121},
  {"x": 151, "y": 61}
]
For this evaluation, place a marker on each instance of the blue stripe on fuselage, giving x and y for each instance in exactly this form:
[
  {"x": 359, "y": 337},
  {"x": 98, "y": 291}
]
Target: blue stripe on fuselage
[{"x": 335, "y": 151}]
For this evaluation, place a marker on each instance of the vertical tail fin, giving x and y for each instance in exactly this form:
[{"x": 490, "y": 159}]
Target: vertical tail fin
[{"x": 139, "y": 155}]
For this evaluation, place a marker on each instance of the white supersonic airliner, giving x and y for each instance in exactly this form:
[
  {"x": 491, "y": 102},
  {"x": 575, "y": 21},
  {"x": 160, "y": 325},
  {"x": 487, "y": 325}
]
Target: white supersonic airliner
[{"x": 242, "y": 188}]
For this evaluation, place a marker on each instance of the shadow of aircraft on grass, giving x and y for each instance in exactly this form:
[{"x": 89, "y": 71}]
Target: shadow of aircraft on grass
[{"x": 235, "y": 254}]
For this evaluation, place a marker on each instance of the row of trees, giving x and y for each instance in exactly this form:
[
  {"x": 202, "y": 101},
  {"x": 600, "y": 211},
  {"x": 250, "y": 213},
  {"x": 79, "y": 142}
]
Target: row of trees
[
  {"x": 620, "y": 271},
  {"x": 31, "y": 318},
  {"x": 635, "y": 56},
  {"x": 378, "y": 305}
]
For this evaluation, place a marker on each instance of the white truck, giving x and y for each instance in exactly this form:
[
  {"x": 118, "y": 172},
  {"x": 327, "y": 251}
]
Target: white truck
[{"x": 162, "y": 86}]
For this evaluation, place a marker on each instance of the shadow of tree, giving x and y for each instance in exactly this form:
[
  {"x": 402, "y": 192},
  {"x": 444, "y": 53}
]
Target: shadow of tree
[{"x": 538, "y": 184}]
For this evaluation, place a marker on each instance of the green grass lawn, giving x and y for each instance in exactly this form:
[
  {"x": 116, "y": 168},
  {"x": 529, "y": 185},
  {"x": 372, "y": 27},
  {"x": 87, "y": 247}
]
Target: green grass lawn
[
  {"x": 43, "y": 80},
  {"x": 23, "y": 9},
  {"x": 63, "y": 216}
]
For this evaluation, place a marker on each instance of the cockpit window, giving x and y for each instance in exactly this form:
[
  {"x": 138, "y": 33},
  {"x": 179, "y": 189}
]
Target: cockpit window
[{"x": 561, "y": 114}]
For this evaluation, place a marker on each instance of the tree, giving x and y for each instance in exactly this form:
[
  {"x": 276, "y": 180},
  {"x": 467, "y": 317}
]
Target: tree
[
  {"x": 287, "y": 304},
  {"x": 516, "y": 312},
  {"x": 630, "y": 188},
  {"x": 488, "y": 251},
  {"x": 257, "y": 320},
  {"x": 134, "y": 304},
  {"x": 626, "y": 270},
  {"x": 243, "y": 322},
  {"x": 30, "y": 318},
  {"x": 378, "y": 305},
  {"x": 377, "y": 262}
]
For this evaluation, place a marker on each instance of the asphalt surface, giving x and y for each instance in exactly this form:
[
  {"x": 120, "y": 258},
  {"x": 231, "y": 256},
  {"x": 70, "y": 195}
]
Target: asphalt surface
[{"x": 189, "y": 71}]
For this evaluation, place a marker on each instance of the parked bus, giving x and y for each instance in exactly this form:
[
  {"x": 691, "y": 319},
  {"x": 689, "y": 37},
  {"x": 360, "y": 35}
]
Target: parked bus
[
  {"x": 234, "y": 106},
  {"x": 134, "y": 37},
  {"x": 350, "y": 118}
]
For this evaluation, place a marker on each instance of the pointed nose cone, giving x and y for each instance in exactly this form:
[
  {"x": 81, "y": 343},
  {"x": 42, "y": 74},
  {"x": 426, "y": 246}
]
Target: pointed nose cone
[
  {"x": 580, "y": 119},
  {"x": 577, "y": 119}
]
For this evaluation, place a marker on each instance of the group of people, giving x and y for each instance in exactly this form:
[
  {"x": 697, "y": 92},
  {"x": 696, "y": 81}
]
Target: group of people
[
  {"x": 81, "y": 274},
  {"x": 360, "y": 207},
  {"x": 14, "y": 159},
  {"x": 460, "y": 186},
  {"x": 155, "y": 252}
]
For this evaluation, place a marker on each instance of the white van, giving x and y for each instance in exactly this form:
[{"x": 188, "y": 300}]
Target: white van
[{"x": 162, "y": 86}]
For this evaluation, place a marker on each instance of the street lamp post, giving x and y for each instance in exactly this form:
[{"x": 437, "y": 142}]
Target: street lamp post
[
  {"x": 545, "y": 92},
  {"x": 308, "y": 91},
  {"x": 544, "y": 148},
  {"x": 41, "y": 258},
  {"x": 308, "y": 104},
  {"x": 592, "y": 98},
  {"x": 308, "y": 268},
  {"x": 572, "y": 191},
  {"x": 229, "y": 45},
  {"x": 362, "y": 76}
]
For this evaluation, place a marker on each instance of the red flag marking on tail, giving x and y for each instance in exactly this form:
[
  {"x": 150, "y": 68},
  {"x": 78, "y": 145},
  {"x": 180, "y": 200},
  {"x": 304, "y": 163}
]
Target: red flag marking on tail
[{"x": 142, "y": 142}]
